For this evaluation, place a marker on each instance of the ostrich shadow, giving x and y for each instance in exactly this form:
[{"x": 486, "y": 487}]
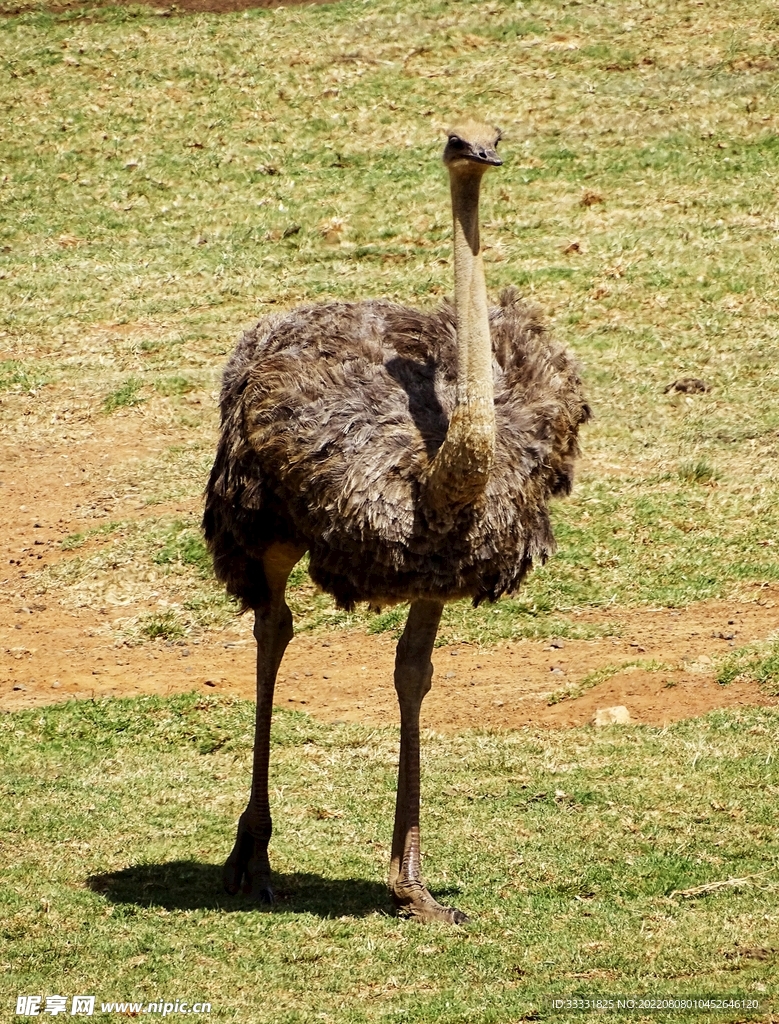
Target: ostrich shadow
[
  {"x": 424, "y": 406},
  {"x": 192, "y": 885}
]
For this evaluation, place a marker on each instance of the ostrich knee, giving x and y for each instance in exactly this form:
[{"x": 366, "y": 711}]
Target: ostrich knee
[
  {"x": 413, "y": 677},
  {"x": 413, "y": 667}
]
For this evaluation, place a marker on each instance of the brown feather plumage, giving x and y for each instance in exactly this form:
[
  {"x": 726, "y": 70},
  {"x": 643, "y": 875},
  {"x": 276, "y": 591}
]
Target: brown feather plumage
[{"x": 330, "y": 414}]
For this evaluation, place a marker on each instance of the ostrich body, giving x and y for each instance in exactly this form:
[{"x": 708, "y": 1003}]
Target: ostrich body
[{"x": 413, "y": 456}]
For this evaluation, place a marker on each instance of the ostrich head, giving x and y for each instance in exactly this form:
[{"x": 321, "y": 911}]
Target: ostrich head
[{"x": 472, "y": 147}]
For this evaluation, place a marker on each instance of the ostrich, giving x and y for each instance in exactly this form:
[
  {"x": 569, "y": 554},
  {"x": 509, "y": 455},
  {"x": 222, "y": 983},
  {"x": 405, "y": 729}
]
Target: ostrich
[{"x": 412, "y": 455}]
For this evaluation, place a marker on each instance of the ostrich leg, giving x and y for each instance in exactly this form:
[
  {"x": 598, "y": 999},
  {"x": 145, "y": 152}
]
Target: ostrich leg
[
  {"x": 413, "y": 675},
  {"x": 248, "y": 868}
]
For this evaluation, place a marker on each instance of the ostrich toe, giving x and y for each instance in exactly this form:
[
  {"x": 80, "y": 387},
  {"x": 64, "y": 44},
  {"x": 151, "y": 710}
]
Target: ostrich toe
[{"x": 414, "y": 901}]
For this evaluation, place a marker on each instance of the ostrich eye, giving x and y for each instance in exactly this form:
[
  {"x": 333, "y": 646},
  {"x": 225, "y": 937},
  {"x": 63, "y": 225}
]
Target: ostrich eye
[{"x": 456, "y": 142}]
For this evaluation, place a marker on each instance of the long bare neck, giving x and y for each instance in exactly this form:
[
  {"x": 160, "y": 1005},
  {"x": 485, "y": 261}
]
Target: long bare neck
[
  {"x": 474, "y": 348},
  {"x": 460, "y": 469}
]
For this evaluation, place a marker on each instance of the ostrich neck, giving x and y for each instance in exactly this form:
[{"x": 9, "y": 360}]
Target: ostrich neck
[
  {"x": 474, "y": 348},
  {"x": 460, "y": 469}
]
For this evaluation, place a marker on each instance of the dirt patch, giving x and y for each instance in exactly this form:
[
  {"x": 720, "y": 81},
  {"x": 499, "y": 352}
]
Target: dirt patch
[
  {"x": 348, "y": 677},
  {"x": 51, "y": 653}
]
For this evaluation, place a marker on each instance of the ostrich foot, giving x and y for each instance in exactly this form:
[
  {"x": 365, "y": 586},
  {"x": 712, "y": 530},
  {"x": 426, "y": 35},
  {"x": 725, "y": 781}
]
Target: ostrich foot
[
  {"x": 413, "y": 901},
  {"x": 247, "y": 869}
]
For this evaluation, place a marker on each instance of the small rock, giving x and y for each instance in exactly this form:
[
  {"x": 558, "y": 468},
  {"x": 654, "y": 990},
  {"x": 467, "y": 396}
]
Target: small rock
[
  {"x": 704, "y": 659},
  {"x": 56, "y": 684},
  {"x": 20, "y": 687},
  {"x": 556, "y": 645},
  {"x": 556, "y": 670},
  {"x": 618, "y": 715}
]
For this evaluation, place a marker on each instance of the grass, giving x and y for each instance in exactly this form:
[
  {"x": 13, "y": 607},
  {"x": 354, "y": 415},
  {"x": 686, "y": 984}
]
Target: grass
[
  {"x": 184, "y": 546},
  {"x": 167, "y": 183},
  {"x": 77, "y": 540},
  {"x": 164, "y": 626},
  {"x": 162, "y": 556},
  {"x": 641, "y": 861},
  {"x": 758, "y": 661},
  {"x": 699, "y": 472},
  {"x": 127, "y": 394},
  {"x": 175, "y": 385},
  {"x": 168, "y": 180},
  {"x": 619, "y": 544},
  {"x": 16, "y": 376}
]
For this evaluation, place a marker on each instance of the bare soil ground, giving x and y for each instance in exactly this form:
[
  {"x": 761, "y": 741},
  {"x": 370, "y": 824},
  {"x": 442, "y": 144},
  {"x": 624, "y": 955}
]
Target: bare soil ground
[{"x": 51, "y": 653}]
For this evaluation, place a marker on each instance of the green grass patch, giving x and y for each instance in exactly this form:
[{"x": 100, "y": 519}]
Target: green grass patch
[
  {"x": 118, "y": 563},
  {"x": 641, "y": 861},
  {"x": 16, "y": 375},
  {"x": 509, "y": 619},
  {"x": 173, "y": 386},
  {"x": 698, "y": 472},
  {"x": 126, "y": 395},
  {"x": 758, "y": 661},
  {"x": 161, "y": 626},
  {"x": 183, "y": 546}
]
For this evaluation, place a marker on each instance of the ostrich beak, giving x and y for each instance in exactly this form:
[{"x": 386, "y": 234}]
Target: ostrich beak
[{"x": 486, "y": 155}]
